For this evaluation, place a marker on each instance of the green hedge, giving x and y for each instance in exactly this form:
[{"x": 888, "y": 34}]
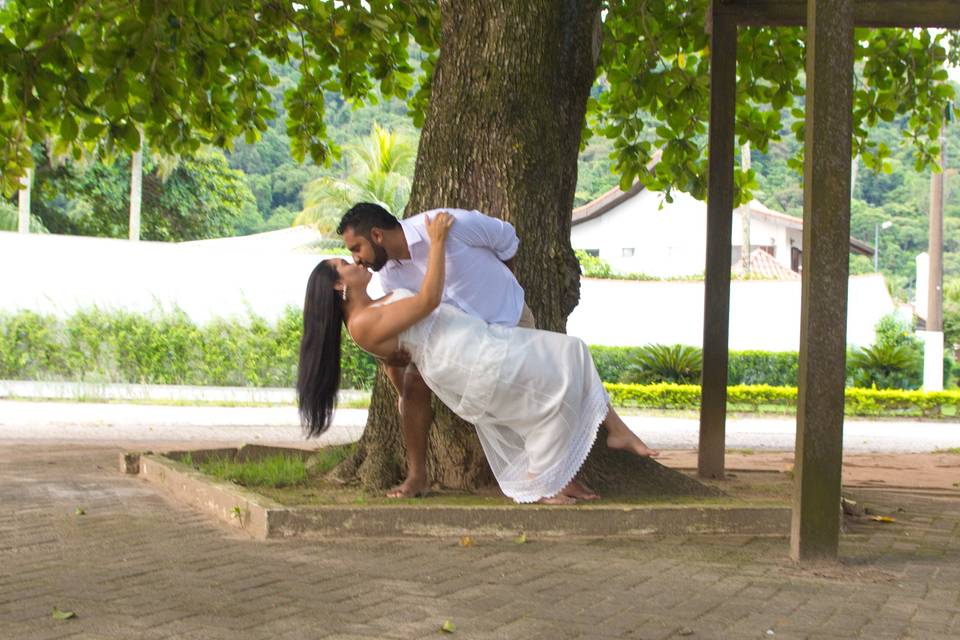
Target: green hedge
[
  {"x": 169, "y": 348},
  {"x": 859, "y": 402},
  {"x": 779, "y": 369},
  {"x": 162, "y": 348}
]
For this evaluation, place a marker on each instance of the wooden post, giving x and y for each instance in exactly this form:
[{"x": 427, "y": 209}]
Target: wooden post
[
  {"x": 815, "y": 531},
  {"x": 716, "y": 298}
]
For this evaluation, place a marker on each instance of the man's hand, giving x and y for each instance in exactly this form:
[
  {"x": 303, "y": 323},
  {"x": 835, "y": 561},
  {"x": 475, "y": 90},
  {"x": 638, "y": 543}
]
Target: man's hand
[{"x": 399, "y": 358}]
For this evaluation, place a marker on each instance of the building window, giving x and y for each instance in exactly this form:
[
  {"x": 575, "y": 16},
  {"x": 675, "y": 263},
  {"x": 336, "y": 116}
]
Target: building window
[
  {"x": 592, "y": 252},
  {"x": 628, "y": 252}
]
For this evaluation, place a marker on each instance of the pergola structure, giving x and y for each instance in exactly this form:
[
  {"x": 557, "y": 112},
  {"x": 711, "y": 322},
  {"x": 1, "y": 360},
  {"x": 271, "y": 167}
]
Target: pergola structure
[{"x": 815, "y": 530}]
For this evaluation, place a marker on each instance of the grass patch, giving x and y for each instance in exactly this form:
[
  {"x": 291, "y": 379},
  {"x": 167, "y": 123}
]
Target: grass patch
[
  {"x": 275, "y": 471},
  {"x": 326, "y": 459},
  {"x": 954, "y": 451}
]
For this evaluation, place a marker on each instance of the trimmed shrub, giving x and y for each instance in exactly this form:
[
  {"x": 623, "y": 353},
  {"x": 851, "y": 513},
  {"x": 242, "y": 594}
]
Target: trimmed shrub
[
  {"x": 859, "y": 402},
  {"x": 775, "y": 368},
  {"x": 163, "y": 348},
  {"x": 612, "y": 362},
  {"x": 168, "y": 348},
  {"x": 655, "y": 396},
  {"x": 779, "y": 369}
]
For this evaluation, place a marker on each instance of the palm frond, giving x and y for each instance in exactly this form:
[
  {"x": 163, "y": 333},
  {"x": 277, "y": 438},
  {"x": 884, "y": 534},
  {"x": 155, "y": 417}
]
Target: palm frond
[{"x": 378, "y": 170}]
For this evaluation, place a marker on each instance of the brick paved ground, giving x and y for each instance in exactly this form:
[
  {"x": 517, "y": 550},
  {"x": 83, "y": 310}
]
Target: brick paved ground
[{"x": 137, "y": 566}]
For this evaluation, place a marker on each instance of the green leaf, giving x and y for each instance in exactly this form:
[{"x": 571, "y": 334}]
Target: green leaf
[
  {"x": 448, "y": 626},
  {"x": 94, "y": 130},
  {"x": 69, "y": 129},
  {"x": 80, "y": 511},
  {"x": 62, "y": 615},
  {"x": 131, "y": 136}
]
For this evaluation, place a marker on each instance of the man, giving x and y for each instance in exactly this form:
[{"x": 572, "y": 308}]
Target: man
[{"x": 479, "y": 280}]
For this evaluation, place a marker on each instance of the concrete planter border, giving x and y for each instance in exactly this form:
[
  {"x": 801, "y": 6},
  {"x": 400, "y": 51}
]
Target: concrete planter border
[{"x": 262, "y": 518}]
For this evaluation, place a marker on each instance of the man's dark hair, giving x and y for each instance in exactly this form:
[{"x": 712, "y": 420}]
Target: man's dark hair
[{"x": 365, "y": 216}]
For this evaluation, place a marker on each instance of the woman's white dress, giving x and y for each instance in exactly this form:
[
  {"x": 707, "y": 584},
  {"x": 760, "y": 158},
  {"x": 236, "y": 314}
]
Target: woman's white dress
[{"x": 534, "y": 396}]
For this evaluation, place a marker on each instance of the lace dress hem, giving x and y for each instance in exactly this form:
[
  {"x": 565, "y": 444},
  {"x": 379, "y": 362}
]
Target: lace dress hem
[{"x": 552, "y": 482}]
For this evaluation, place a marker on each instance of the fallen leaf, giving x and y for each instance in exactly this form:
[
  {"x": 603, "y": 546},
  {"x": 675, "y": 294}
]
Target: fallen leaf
[
  {"x": 448, "y": 626},
  {"x": 80, "y": 511},
  {"x": 63, "y": 615},
  {"x": 883, "y": 519},
  {"x": 522, "y": 538},
  {"x": 466, "y": 541}
]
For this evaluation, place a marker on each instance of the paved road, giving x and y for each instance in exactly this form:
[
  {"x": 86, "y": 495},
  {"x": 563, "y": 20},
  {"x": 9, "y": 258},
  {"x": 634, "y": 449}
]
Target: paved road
[
  {"x": 115, "y": 423},
  {"x": 138, "y": 566}
]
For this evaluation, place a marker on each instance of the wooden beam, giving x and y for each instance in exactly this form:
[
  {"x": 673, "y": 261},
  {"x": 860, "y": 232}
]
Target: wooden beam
[
  {"x": 867, "y": 13},
  {"x": 716, "y": 301},
  {"x": 815, "y": 531}
]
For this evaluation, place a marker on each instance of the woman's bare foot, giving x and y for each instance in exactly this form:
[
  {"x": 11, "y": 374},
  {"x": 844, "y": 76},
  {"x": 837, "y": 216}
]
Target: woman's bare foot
[
  {"x": 578, "y": 490},
  {"x": 410, "y": 488},
  {"x": 558, "y": 499},
  {"x": 619, "y": 436},
  {"x": 630, "y": 442}
]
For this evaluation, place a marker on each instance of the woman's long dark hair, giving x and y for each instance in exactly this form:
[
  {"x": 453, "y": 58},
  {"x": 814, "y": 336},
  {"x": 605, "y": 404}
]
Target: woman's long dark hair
[{"x": 319, "y": 377}]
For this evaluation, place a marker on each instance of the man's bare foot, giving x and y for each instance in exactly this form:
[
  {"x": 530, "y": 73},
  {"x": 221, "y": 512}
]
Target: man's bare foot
[
  {"x": 630, "y": 442},
  {"x": 578, "y": 490},
  {"x": 410, "y": 488},
  {"x": 558, "y": 499}
]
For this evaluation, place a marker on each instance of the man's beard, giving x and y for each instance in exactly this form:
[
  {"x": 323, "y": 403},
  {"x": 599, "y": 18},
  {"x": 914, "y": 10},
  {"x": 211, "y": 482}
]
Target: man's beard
[{"x": 379, "y": 256}]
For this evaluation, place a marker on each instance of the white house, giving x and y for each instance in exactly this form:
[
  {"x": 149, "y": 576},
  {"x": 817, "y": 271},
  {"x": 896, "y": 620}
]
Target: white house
[{"x": 638, "y": 231}]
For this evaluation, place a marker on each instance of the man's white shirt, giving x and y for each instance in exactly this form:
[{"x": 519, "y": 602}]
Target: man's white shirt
[{"x": 477, "y": 280}]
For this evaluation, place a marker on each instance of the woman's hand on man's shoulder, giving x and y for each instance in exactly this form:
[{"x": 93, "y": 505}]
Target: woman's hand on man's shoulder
[{"x": 438, "y": 228}]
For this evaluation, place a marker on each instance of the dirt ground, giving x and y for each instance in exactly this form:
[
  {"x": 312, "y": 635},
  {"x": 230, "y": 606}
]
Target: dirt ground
[{"x": 913, "y": 470}]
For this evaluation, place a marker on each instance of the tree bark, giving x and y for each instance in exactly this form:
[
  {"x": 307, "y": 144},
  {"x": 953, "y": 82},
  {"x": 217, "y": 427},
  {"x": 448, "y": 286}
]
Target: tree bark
[{"x": 502, "y": 136}]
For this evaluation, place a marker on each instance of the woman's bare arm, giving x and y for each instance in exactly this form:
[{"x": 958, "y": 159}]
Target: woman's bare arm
[{"x": 375, "y": 327}]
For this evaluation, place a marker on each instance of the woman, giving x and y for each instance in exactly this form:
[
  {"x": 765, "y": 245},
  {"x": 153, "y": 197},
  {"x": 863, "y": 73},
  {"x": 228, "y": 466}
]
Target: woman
[{"x": 534, "y": 396}]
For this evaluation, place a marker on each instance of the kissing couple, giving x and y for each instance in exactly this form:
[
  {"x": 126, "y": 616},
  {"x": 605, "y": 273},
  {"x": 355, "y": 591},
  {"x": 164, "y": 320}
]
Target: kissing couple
[{"x": 455, "y": 312}]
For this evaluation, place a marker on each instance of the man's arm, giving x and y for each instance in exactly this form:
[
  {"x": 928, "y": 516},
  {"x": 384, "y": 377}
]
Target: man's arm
[{"x": 479, "y": 230}]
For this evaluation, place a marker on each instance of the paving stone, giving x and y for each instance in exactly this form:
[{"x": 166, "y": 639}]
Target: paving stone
[{"x": 139, "y": 565}]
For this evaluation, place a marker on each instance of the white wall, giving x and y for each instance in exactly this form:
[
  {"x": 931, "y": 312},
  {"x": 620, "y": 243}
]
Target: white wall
[
  {"x": 764, "y": 314},
  {"x": 59, "y": 274}
]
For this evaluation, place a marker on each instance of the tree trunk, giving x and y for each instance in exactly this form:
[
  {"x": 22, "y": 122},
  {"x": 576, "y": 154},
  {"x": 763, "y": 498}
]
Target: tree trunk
[{"x": 502, "y": 136}]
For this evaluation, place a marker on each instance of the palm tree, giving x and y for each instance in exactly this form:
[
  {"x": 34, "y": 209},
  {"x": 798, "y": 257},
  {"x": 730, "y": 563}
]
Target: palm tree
[{"x": 378, "y": 170}]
